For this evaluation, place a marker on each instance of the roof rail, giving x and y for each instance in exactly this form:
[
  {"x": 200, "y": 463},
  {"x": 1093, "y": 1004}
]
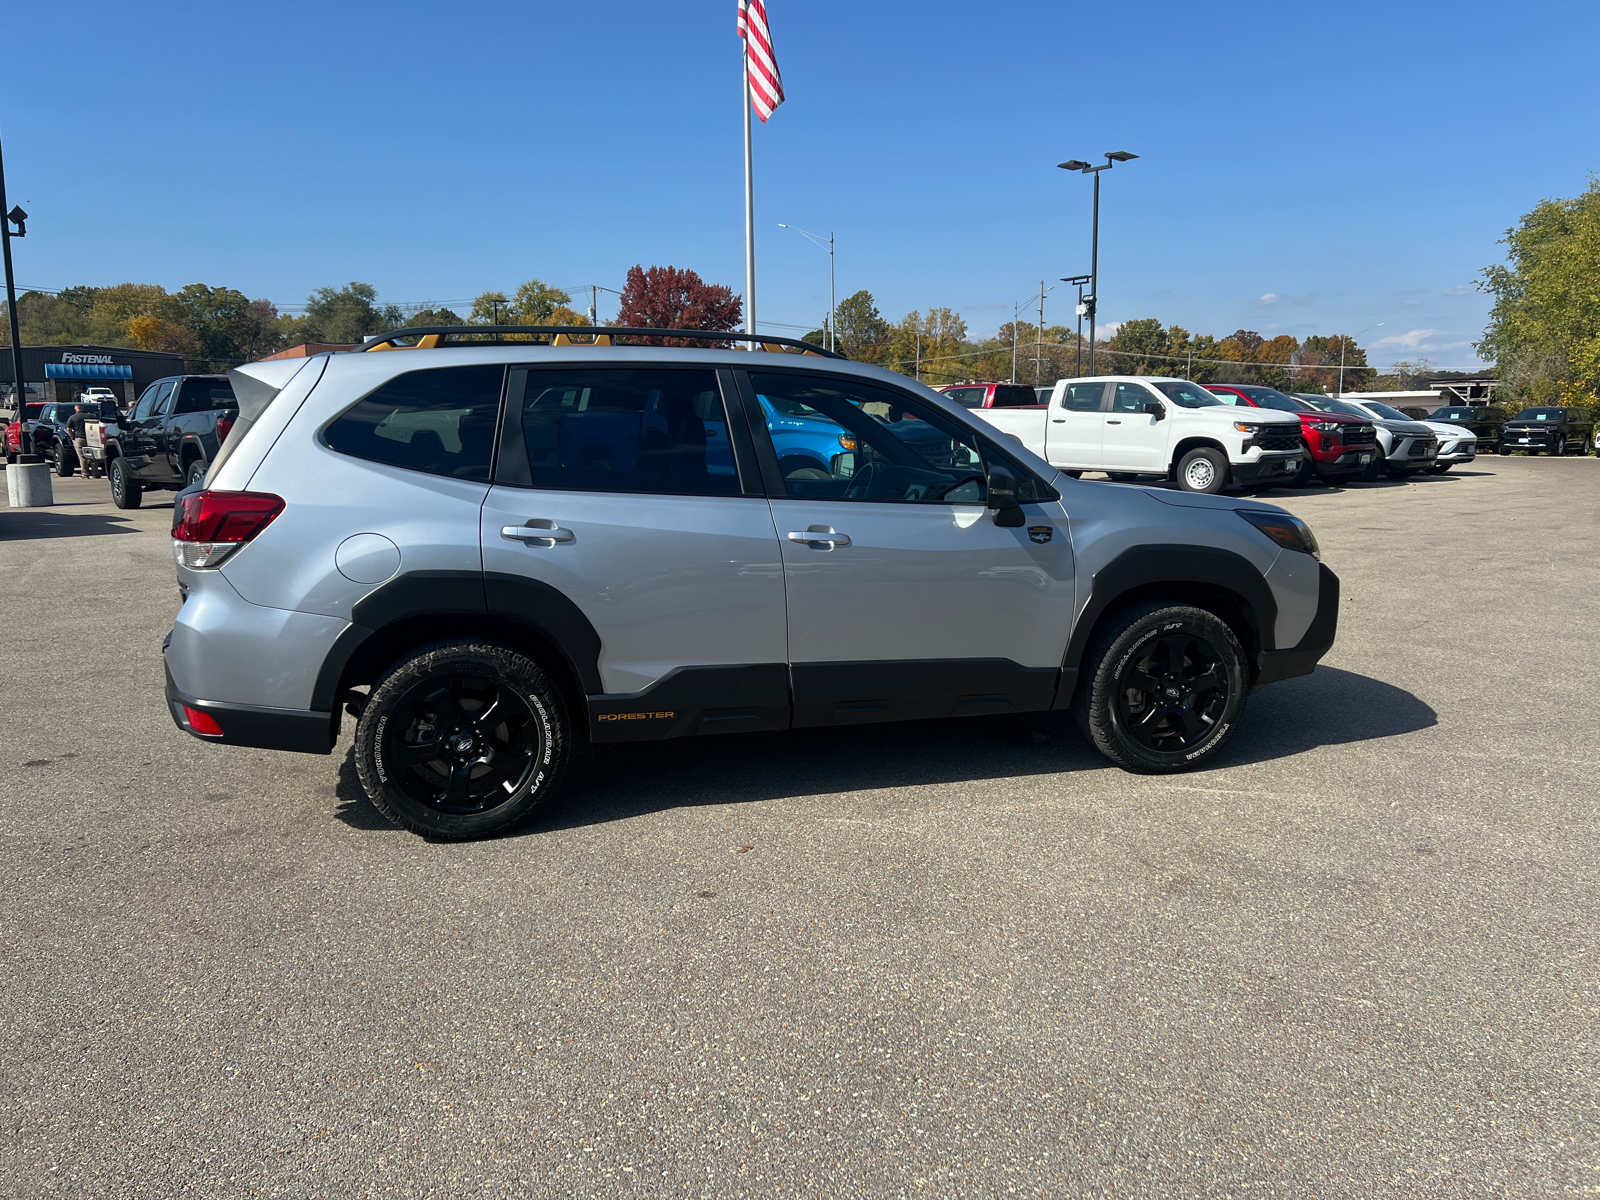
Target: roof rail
[{"x": 429, "y": 337}]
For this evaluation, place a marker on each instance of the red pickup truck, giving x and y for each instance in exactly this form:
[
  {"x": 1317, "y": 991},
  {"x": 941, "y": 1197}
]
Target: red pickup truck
[
  {"x": 992, "y": 395},
  {"x": 1337, "y": 446}
]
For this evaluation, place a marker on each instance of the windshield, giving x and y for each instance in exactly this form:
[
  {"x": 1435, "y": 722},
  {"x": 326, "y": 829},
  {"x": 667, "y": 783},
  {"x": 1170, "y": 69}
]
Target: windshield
[
  {"x": 1455, "y": 414},
  {"x": 1188, "y": 395},
  {"x": 1387, "y": 413},
  {"x": 1541, "y": 414},
  {"x": 1330, "y": 405},
  {"x": 1265, "y": 397}
]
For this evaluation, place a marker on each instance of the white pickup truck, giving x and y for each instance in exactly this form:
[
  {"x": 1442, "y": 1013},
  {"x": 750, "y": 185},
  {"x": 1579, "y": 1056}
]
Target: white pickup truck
[{"x": 1170, "y": 428}]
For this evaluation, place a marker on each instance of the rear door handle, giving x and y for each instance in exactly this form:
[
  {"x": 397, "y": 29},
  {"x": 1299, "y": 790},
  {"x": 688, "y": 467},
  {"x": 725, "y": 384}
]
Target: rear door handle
[
  {"x": 820, "y": 535},
  {"x": 1113, "y": 422},
  {"x": 1058, "y": 420},
  {"x": 546, "y": 533}
]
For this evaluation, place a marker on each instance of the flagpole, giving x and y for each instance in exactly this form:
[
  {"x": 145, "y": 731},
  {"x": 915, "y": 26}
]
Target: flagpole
[{"x": 749, "y": 212}]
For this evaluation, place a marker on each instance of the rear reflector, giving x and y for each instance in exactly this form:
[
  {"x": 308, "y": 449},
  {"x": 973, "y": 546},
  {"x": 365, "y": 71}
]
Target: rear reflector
[
  {"x": 209, "y": 526},
  {"x": 202, "y": 723}
]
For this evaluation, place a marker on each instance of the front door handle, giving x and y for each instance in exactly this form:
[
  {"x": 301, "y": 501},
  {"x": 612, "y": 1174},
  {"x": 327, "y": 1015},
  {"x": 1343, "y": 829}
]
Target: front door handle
[
  {"x": 1058, "y": 420},
  {"x": 819, "y": 536},
  {"x": 546, "y": 533},
  {"x": 1113, "y": 422}
]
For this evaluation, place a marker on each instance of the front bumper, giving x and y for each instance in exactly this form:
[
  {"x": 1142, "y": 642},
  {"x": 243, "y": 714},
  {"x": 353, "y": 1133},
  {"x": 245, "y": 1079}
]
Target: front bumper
[
  {"x": 1351, "y": 461},
  {"x": 1273, "y": 665},
  {"x": 1266, "y": 468}
]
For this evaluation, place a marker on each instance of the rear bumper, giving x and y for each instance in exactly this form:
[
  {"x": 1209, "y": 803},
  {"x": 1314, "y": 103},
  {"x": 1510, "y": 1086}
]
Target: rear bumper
[
  {"x": 250, "y": 725},
  {"x": 1273, "y": 665}
]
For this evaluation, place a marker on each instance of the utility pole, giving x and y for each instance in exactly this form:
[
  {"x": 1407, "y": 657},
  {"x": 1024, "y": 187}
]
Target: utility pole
[
  {"x": 1038, "y": 340},
  {"x": 833, "y": 302},
  {"x": 1112, "y": 159},
  {"x": 594, "y": 305},
  {"x": 919, "y": 352},
  {"x": 1190, "y": 374},
  {"x": 1079, "y": 281}
]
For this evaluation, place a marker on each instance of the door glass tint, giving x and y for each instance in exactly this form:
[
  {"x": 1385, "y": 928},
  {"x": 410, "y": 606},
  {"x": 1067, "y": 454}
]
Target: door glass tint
[
  {"x": 840, "y": 440},
  {"x": 627, "y": 429},
  {"x": 146, "y": 402},
  {"x": 1083, "y": 397},
  {"x": 163, "y": 404},
  {"x": 439, "y": 421},
  {"x": 1015, "y": 397},
  {"x": 1129, "y": 398},
  {"x": 967, "y": 397},
  {"x": 203, "y": 395}
]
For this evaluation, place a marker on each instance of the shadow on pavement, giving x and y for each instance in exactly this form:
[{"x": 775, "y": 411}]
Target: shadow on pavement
[
  {"x": 614, "y": 783},
  {"x": 39, "y": 523}
]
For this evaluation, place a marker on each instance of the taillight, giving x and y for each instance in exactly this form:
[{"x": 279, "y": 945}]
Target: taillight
[
  {"x": 224, "y": 427},
  {"x": 209, "y": 526},
  {"x": 202, "y": 723}
]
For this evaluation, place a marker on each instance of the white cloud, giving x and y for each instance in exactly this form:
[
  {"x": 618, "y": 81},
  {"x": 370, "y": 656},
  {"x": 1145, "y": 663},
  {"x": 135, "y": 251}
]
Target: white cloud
[
  {"x": 1267, "y": 301},
  {"x": 1271, "y": 298},
  {"x": 1459, "y": 291},
  {"x": 1411, "y": 341},
  {"x": 1109, "y": 329}
]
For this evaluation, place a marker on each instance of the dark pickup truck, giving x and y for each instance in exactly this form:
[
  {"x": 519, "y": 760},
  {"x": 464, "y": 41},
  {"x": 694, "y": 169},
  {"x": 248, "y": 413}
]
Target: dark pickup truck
[
  {"x": 1553, "y": 430},
  {"x": 1484, "y": 421},
  {"x": 171, "y": 437}
]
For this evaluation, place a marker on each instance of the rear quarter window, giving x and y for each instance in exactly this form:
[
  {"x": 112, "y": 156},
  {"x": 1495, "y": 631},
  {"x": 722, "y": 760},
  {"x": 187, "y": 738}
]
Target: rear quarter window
[{"x": 441, "y": 422}]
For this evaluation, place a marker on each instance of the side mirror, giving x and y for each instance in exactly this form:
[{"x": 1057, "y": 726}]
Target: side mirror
[
  {"x": 1002, "y": 487},
  {"x": 1156, "y": 409}
]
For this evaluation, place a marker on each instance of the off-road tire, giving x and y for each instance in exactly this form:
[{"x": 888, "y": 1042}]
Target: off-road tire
[
  {"x": 1194, "y": 475},
  {"x": 125, "y": 491},
  {"x": 63, "y": 464},
  {"x": 401, "y": 706},
  {"x": 195, "y": 473},
  {"x": 1101, "y": 703},
  {"x": 1073, "y": 474}
]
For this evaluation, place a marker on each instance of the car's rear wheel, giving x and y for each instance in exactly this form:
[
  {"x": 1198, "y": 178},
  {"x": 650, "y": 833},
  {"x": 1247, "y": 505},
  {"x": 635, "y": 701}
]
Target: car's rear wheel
[
  {"x": 63, "y": 463},
  {"x": 1203, "y": 470},
  {"x": 1162, "y": 687},
  {"x": 462, "y": 739},
  {"x": 1073, "y": 474},
  {"x": 125, "y": 490},
  {"x": 196, "y": 473}
]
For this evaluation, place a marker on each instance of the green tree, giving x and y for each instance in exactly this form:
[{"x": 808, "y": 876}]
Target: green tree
[
  {"x": 1140, "y": 347},
  {"x": 1544, "y": 329},
  {"x": 435, "y": 316},
  {"x": 347, "y": 314},
  {"x": 931, "y": 346},
  {"x": 535, "y": 302},
  {"x": 860, "y": 329}
]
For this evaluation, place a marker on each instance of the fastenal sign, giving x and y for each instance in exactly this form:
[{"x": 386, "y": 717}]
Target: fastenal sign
[{"x": 96, "y": 360}]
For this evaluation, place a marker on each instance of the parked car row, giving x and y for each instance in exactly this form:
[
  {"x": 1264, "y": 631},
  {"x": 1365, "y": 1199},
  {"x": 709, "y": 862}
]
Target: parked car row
[{"x": 1143, "y": 427}]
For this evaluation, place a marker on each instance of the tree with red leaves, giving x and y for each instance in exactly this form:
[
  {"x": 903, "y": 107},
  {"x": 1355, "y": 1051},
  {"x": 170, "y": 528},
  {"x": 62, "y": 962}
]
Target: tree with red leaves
[{"x": 667, "y": 298}]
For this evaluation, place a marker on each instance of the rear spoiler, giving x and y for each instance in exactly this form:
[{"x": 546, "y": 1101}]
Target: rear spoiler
[{"x": 257, "y": 384}]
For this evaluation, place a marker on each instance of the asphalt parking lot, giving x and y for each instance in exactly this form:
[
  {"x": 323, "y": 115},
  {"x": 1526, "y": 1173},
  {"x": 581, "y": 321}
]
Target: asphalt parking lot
[{"x": 1355, "y": 958}]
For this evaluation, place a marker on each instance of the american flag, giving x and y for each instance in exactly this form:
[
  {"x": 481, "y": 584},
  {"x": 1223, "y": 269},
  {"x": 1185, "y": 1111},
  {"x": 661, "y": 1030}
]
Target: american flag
[{"x": 766, "y": 85}]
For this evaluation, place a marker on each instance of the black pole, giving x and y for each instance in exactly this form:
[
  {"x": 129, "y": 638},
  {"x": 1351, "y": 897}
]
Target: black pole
[
  {"x": 1094, "y": 271},
  {"x": 25, "y": 441},
  {"x": 1078, "y": 370}
]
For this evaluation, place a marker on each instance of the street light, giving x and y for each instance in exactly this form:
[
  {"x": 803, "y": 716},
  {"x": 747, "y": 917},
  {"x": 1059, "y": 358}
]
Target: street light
[
  {"x": 1079, "y": 281},
  {"x": 833, "y": 307},
  {"x": 19, "y": 218},
  {"x": 1113, "y": 157},
  {"x": 1345, "y": 340}
]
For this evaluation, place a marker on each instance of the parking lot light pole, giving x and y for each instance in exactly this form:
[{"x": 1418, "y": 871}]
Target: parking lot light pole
[
  {"x": 1113, "y": 157},
  {"x": 25, "y": 441},
  {"x": 1344, "y": 340},
  {"x": 833, "y": 305}
]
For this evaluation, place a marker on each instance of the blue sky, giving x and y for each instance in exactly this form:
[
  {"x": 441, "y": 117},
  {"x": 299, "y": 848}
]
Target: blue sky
[{"x": 1304, "y": 169}]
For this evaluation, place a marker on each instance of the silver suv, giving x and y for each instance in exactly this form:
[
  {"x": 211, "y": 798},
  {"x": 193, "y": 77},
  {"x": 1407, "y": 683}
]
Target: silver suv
[{"x": 491, "y": 551}]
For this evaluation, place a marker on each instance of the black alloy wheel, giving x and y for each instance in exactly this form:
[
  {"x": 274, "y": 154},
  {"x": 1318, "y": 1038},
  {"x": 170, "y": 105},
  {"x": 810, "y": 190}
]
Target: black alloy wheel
[
  {"x": 197, "y": 473},
  {"x": 1163, "y": 688},
  {"x": 125, "y": 491},
  {"x": 461, "y": 740}
]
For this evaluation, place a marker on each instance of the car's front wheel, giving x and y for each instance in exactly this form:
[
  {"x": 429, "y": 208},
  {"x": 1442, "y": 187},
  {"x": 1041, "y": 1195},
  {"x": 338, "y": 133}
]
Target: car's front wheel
[
  {"x": 1203, "y": 470},
  {"x": 1162, "y": 687},
  {"x": 196, "y": 473},
  {"x": 63, "y": 463},
  {"x": 125, "y": 490},
  {"x": 462, "y": 739}
]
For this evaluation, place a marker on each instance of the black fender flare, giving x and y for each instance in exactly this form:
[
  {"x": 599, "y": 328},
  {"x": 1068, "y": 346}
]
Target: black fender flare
[
  {"x": 1142, "y": 567},
  {"x": 536, "y": 606}
]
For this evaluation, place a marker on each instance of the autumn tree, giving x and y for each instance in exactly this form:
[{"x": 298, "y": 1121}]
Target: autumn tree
[{"x": 670, "y": 298}]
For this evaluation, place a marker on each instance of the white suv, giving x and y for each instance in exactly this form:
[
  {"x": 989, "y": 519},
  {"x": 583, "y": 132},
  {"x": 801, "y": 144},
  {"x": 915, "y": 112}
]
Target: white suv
[
  {"x": 1168, "y": 428},
  {"x": 489, "y": 552}
]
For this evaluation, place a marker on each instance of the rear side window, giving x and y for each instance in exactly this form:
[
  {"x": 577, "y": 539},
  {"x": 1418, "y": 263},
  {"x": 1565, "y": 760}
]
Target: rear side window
[
  {"x": 967, "y": 397},
  {"x": 204, "y": 395},
  {"x": 440, "y": 421},
  {"x": 1015, "y": 397},
  {"x": 626, "y": 429}
]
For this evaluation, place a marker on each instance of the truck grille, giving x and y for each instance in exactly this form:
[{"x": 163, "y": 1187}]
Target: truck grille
[
  {"x": 1421, "y": 447},
  {"x": 1278, "y": 441},
  {"x": 1359, "y": 433}
]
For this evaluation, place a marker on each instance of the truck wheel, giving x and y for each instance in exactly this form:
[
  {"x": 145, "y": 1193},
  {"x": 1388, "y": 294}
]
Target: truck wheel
[
  {"x": 1162, "y": 688},
  {"x": 196, "y": 473},
  {"x": 63, "y": 464},
  {"x": 1203, "y": 470},
  {"x": 125, "y": 492},
  {"x": 1073, "y": 474},
  {"x": 462, "y": 739}
]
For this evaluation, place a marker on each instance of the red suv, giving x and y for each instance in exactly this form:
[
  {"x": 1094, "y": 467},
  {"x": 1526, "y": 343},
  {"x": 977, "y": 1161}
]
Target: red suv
[
  {"x": 992, "y": 395},
  {"x": 1337, "y": 446}
]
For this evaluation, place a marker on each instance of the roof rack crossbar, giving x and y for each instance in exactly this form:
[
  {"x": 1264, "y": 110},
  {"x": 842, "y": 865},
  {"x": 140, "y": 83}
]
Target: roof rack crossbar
[{"x": 430, "y": 336}]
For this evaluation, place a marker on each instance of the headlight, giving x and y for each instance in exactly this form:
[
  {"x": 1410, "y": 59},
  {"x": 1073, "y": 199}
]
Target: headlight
[
  {"x": 1289, "y": 532},
  {"x": 847, "y": 441},
  {"x": 1327, "y": 426},
  {"x": 1246, "y": 429}
]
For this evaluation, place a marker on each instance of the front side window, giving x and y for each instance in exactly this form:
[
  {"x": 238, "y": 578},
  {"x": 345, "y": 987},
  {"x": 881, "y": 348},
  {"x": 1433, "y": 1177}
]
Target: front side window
[
  {"x": 1130, "y": 398},
  {"x": 440, "y": 421},
  {"x": 837, "y": 439},
  {"x": 146, "y": 402},
  {"x": 163, "y": 404},
  {"x": 626, "y": 429},
  {"x": 1083, "y": 397}
]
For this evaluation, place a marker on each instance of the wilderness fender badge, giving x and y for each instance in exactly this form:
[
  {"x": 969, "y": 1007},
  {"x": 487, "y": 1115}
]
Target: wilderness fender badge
[{"x": 1041, "y": 533}]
